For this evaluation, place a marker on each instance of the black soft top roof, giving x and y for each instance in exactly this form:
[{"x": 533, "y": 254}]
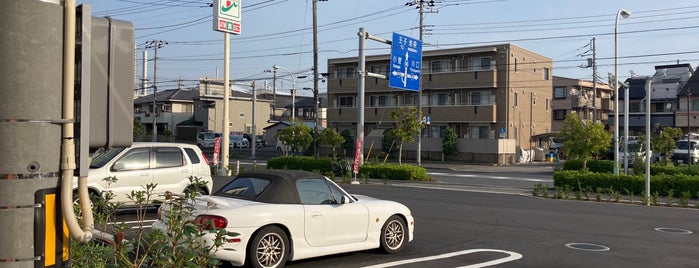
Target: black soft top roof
[{"x": 282, "y": 189}]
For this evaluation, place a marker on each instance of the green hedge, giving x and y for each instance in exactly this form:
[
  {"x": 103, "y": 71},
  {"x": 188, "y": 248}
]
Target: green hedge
[
  {"x": 660, "y": 183},
  {"x": 368, "y": 170},
  {"x": 393, "y": 172},
  {"x": 322, "y": 165},
  {"x": 599, "y": 166}
]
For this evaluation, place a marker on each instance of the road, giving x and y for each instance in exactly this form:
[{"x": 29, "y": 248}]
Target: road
[
  {"x": 460, "y": 223},
  {"x": 477, "y": 216}
]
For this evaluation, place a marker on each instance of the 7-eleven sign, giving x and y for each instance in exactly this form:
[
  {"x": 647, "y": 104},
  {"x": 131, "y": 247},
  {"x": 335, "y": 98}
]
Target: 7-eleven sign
[{"x": 227, "y": 16}]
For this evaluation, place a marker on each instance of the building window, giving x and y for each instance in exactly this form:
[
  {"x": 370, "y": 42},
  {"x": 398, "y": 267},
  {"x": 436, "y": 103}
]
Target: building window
[
  {"x": 379, "y": 69},
  {"x": 440, "y": 66},
  {"x": 481, "y": 63},
  {"x": 546, "y": 74},
  {"x": 440, "y": 99},
  {"x": 559, "y": 114},
  {"x": 347, "y": 72},
  {"x": 480, "y": 98},
  {"x": 547, "y": 104},
  {"x": 347, "y": 101},
  {"x": 515, "y": 99},
  {"x": 167, "y": 108},
  {"x": 559, "y": 93},
  {"x": 188, "y": 108},
  {"x": 479, "y": 132},
  {"x": 516, "y": 64},
  {"x": 695, "y": 105}
]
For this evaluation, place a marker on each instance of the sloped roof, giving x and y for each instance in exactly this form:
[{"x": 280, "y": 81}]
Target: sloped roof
[
  {"x": 171, "y": 95},
  {"x": 287, "y": 123},
  {"x": 692, "y": 85}
]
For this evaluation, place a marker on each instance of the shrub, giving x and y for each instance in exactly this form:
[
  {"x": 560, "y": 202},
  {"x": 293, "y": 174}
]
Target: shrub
[
  {"x": 307, "y": 163},
  {"x": 662, "y": 183},
  {"x": 146, "y": 247},
  {"x": 393, "y": 172},
  {"x": 599, "y": 166}
]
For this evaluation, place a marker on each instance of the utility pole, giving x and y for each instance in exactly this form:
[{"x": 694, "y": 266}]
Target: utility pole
[
  {"x": 594, "y": 81},
  {"x": 155, "y": 44},
  {"x": 253, "y": 140},
  {"x": 144, "y": 80},
  {"x": 315, "y": 79},
  {"x": 421, "y": 10}
]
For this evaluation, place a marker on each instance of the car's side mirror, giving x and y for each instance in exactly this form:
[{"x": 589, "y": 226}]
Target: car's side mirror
[
  {"x": 344, "y": 200},
  {"x": 117, "y": 167}
]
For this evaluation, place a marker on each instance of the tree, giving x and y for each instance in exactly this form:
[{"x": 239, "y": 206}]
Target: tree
[
  {"x": 583, "y": 139},
  {"x": 139, "y": 130},
  {"x": 297, "y": 136},
  {"x": 449, "y": 142},
  {"x": 388, "y": 143},
  {"x": 407, "y": 126},
  {"x": 662, "y": 142},
  {"x": 330, "y": 137},
  {"x": 349, "y": 140}
]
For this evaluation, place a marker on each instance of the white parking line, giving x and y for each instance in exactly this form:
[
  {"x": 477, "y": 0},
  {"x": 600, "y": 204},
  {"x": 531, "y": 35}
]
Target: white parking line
[
  {"x": 490, "y": 177},
  {"x": 513, "y": 257}
]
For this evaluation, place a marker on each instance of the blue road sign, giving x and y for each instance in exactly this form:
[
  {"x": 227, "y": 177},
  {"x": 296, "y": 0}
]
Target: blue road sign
[{"x": 406, "y": 63}]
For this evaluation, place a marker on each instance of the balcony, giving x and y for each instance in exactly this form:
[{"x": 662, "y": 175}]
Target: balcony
[
  {"x": 438, "y": 114},
  {"x": 483, "y": 78}
]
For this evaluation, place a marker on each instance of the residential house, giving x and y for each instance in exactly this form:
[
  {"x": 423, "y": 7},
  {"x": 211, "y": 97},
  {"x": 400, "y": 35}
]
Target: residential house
[
  {"x": 668, "y": 86},
  {"x": 496, "y": 98},
  {"x": 688, "y": 103},
  {"x": 174, "y": 106},
  {"x": 208, "y": 109},
  {"x": 587, "y": 100}
]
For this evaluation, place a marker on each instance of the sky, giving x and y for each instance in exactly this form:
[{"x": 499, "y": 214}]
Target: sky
[{"x": 279, "y": 32}]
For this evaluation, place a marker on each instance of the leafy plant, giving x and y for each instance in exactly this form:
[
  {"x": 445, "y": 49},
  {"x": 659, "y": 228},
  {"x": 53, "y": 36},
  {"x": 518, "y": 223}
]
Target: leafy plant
[
  {"x": 654, "y": 198},
  {"x": 408, "y": 125},
  {"x": 147, "y": 247},
  {"x": 330, "y": 137},
  {"x": 670, "y": 195},
  {"x": 684, "y": 198},
  {"x": 583, "y": 139},
  {"x": 449, "y": 142}
]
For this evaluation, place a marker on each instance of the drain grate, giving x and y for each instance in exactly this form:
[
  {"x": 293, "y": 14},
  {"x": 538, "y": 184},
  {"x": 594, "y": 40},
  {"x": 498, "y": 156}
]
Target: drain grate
[
  {"x": 673, "y": 231},
  {"x": 587, "y": 247}
]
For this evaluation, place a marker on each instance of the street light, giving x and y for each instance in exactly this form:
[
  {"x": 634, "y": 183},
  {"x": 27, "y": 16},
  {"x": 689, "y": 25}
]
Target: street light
[
  {"x": 293, "y": 90},
  {"x": 625, "y": 14}
]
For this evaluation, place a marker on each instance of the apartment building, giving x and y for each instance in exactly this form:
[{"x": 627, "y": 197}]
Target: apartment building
[
  {"x": 582, "y": 97},
  {"x": 496, "y": 97}
]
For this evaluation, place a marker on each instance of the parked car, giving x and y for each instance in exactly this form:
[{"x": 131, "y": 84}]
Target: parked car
[
  {"x": 275, "y": 216},
  {"x": 687, "y": 151},
  {"x": 238, "y": 142},
  {"x": 207, "y": 139},
  {"x": 169, "y": 165},
  {"x": 259, "y": 141}
]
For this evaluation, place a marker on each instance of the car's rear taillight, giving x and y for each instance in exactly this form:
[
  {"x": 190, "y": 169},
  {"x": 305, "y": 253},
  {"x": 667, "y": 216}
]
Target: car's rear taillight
[
  {"x": 209, "y": 222},
  {"x": 205, "y": 159}
]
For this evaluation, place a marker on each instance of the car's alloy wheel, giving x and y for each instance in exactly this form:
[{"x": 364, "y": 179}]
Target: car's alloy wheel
[
  {"x": 393, "y": 235},
  {"x": 269, "y": 248}
]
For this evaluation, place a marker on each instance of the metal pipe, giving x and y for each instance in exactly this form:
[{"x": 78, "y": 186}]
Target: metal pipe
[
  {"x": 360, "y": 93},
  {"x": 68, "y": 165}
]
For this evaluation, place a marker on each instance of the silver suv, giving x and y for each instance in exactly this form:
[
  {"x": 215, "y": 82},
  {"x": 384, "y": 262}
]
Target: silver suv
[
  {"x": 169, "y": 165},
  {"x": 207, "y": 139}
]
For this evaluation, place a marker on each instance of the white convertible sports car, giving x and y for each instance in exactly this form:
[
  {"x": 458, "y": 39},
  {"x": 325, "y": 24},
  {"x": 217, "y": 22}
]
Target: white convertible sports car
[{"x": 285, "y": 215}]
